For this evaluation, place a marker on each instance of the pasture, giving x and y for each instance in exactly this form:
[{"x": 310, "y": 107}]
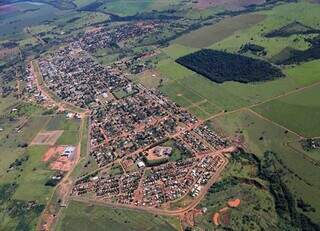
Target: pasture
[
  {"x": 134, "y": 7},
  {"x": 25, "y": 14},
  {"x": 92, "y": 217},
  {"x": 208, "y": 35},
  {"x": 31, "y": 184},
  {"x": 303, "y": 12},
  {"x": 186, "y": 87}
]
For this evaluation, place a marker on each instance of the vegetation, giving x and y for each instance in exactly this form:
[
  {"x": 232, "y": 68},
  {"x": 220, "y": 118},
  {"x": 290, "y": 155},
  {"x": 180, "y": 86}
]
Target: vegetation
[
  {"x": 291, "y": 29},
  {"x": 220, "y": 66},
  {"x": 298, "y": 172},
  {"x": 208, "y": 35},
  {"x": 298, "y": 112},
  {"x": 297, "y": 56},
  {"x": 91, "y": 217},
  {"x": 255, "y": 49}
]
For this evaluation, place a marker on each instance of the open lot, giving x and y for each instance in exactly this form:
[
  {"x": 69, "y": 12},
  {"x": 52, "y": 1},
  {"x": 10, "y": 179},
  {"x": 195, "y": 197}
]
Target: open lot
[{"x": 35, "y": 174}]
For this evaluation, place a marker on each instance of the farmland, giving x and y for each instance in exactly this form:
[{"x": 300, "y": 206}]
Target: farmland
[
  {"x": 218, "y": 31},
  {"x": 298, "y": 112},
  {"x": 275, "y": 19}
]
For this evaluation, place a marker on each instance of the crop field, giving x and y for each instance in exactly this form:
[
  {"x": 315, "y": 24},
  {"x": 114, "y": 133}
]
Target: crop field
[
  {"x": 259, "y": 136},
  {"x": 299, "y": 112},
  {"x": 91, "y": 217},
  {"x": 208, "y": 35}
]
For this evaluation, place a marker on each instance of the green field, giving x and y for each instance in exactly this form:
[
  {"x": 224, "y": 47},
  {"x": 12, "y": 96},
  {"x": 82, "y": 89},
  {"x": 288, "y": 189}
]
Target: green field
[
  {"x": 303, "y": 12},
  {"x": 260, "y": 136},
  {"x": 186, "y": 87},
  {"x": 34, "y": 176},
  {"x": 257, "y": 205},
  {"x": 209, "y": 35},
  {"x": 23, "y": 15},
  {"x": 70, "y": 129},
  {"x": 90, "y": 217},
  {"x": 135, "y": 7},
  {"x": 299, "y": 112},
  {"x": 21, "y": 171}
]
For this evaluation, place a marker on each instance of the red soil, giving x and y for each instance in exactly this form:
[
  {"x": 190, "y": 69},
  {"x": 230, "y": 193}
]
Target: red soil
[{"x": 234, "y": 203}]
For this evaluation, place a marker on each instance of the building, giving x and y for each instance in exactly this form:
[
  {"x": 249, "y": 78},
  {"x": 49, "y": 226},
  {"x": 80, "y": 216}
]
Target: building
[
  {"x": 69, "y": 151},
  {"x": 141, "y": 164}
]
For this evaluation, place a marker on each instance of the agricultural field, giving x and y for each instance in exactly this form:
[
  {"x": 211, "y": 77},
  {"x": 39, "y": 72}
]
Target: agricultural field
[
  {"x": 302, "y": 12},
  {"x": 92, "y": 217},
  {"x": 218, "y": 31},
  {"x": 299, "y": 112},
  {"x": 132, "y": 8},
  {"x": 186, "y": 87}
]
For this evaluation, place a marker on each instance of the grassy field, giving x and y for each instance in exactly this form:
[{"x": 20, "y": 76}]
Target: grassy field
[
  {"x": 32, "y": 180},
  {"x": 259, "y": 136},
  {"x": 89, "y": 217},
  {"x": 21, "y": 170},
  {"x": 299, "y": 112},
  {"x": 70, "y": 129},
  {"x": 135, "y": 7},
  {"x": 186, "y": 87},
  {"x": 209, "y": 35},
  {"x": 25, "y": 14},
  {"x": 303, "y": 12}
]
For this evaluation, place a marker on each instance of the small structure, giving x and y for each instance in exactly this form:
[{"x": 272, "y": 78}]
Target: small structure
[
  {"x": 141, "y": 164},
  {"x": 70, "y": 115},
  {"x": 69, "y": 151}
]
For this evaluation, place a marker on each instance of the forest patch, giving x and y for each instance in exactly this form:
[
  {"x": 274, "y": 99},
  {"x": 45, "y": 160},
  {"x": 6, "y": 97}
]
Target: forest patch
[{"x": 220, "y": 66}]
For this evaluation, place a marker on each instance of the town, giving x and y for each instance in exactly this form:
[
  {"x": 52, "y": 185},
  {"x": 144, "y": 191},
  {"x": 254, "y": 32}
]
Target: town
[{"x": 139, "y": 129}]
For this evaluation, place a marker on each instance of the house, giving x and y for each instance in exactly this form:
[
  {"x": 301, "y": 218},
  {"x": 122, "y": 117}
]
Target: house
[{"x": 141, "y": 164}]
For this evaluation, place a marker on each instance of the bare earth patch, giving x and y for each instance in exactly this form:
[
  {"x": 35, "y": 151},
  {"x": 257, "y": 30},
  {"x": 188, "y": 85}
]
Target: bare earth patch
[
  {"x": 47, "y": 138},
  {"x": 234, "y": 203},
  {"x": 50, "y": 154},
  {"x": 59, "y": 162}
]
